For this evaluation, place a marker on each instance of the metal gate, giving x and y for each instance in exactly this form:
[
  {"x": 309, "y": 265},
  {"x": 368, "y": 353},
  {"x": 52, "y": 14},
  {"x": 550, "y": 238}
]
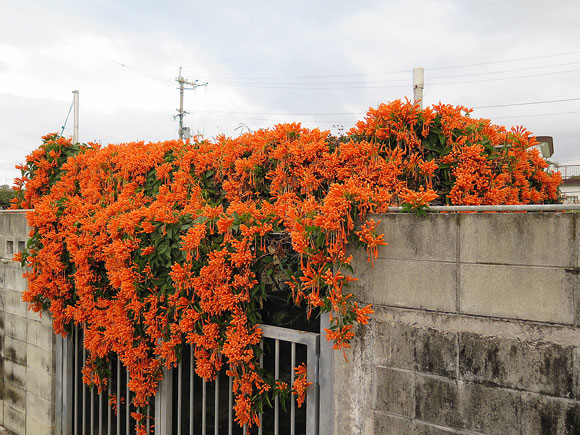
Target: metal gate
[{"x": 185, "y": 403}]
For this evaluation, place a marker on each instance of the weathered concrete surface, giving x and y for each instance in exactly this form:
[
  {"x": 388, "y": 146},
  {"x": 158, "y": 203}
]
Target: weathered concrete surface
[
  {"x": 27, "y": 358},
  {"x": 402, "y": 283},
  {"x": 500, "y": 291},
  {"x": 355, "y": 387},
  {"x": 476, "y": 328},
  {"x": 533, "y": 239}
]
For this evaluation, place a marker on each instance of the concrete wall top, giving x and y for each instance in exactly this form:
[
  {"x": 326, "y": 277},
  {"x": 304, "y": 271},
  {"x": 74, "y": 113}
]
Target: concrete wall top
[{"x": 506, "y": 265}]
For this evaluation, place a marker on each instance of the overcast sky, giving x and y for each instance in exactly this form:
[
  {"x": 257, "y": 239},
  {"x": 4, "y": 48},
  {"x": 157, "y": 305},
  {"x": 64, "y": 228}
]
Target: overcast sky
[{"x": 320, "y": 63}]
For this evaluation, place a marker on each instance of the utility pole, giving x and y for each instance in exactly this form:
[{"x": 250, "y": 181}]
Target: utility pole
[
  {"x": 76, "y": 117},
  {"x": 418, "y": 84},
  {"x": 183, "y": 85}
]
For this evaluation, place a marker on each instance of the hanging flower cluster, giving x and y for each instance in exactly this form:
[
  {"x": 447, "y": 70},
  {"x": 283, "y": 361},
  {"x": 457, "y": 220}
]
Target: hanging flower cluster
[{"x": 149, "y": 246}]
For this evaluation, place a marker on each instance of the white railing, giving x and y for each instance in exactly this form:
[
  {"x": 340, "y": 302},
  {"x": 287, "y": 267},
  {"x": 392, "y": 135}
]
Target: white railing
[{"x": 183, "y": 404}]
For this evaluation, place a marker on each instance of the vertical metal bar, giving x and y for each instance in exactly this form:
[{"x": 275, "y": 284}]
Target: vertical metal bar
[
  {"x": 148, "y": 419},
  {"x": 164, "y": 404},
  {"x": 58, "y": 411},
  {"x": 109, "y": 427},
  {"x": 245, "y": 429},
  {"x": 230, "y": 406},
  {"x": 64, "y": 383},
  {"x": 191, "y": 391},
  {"x": 292, "y": 401},
  {"x": 312, "y": 354},
  {"x": 76, "y": 380},
  {"x": 100, "y": 401},
  {"x": 326, "y": 382},
  {"x": 179, "y": 394},
  {"x": 67, "y": 383},
  {"x": 127, "y": 403},
  {"x": 216, "y": 405},
  {"x": 118, "y": 396},
  {"x": 84, "y": 388},
  {"x": 276, "y": 376},
  {"x": 92, "y": 404},
  {"x": 260, "y": 429},
  {"x": 203, "y": 407}
]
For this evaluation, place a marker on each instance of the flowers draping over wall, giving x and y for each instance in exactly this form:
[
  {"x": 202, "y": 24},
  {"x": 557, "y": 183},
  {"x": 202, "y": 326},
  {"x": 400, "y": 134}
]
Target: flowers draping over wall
[{"x": 152, "y": 245}]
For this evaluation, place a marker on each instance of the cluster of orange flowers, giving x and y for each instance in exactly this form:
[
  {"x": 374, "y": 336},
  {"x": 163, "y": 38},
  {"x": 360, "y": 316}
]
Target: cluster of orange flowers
[{"x": 149, "y": 246}]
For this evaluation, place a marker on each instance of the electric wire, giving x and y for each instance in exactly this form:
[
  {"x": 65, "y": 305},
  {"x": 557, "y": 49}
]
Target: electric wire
[{"x": 68, "y": 114}]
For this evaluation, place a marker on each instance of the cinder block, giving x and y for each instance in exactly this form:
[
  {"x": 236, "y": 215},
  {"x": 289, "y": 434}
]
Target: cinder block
[
  {"x": 403, "y": 338},
  {"x": 395, "y": 390},
  {"x": 413, "y": 284},
  {"x": 425, "y": 349},
  {"x": 15, "y": 326},
  {"x": 13, "y": 303},
  {"x": 411, "y": 237},
  {"x": 493, "y": 411},
  {"x": 15, "y": 373},
  {"x": 536, "y": 367},
  {"x": 14, "y": 420},
  {"x": 39, "y": 426},
  {"x": 437, "y": 402},
  {"x": 15, "y": 397},
  {"x": 40, "y": 384},
  {"x": 518, "y": 292},
  {"x": 39, "y": 408},
  {"x": 13, "y": 279},
  {"x": 14, "y": 350},
  {"x": 43, "y": 317},
  {"x": 40, "y": 359},
  {"x": 382, "y": 343},
  {"x": 2, "y": 247},
  {"x": 436, "y": 352},
  {"x": 574, "y": 281},
  {"x": 386, "y": 424},
  {"x": 549, "y": 415},
  {"x": 576, "y": 366},
  {"x": 40, "y": 334},
  {"x": 17, "y": 225},
  {"x": 538, "y": 239}
]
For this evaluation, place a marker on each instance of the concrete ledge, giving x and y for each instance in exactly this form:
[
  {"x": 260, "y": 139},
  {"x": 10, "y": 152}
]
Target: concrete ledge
[
  {"x": 536, "y": 239},
  {"x": 388, "y": 424},
  {"x": 518, "y": 292}
]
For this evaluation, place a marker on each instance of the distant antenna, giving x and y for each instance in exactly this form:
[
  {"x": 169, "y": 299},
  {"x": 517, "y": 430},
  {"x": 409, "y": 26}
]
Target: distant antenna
[{"x": 185, "y": 131}]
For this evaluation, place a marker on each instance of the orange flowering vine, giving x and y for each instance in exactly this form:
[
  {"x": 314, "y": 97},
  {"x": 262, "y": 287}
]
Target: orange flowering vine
[{"x": 150, "y": 246}]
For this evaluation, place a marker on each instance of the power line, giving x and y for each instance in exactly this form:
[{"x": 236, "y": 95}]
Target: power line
[
  {"x": 68, "y": 114},
  {"x": 406, "y": 71},
  {"x": 534, "y": 115},
  {"x": 528, "y": 103},
  {"x": 502, "y": 61},
  {"x": 332, "y": 87},
  {"x": 229, "y": 112},
  {"x": 395, "y": 80},
  {"x": 121, "y": 64},
  {"x": 506, "y": 78}
]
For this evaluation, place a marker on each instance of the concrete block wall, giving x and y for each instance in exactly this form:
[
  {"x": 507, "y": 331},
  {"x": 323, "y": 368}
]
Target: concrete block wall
[
  {"x": 476, "y": 328},
  {"x": 27, "y": 358}
]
